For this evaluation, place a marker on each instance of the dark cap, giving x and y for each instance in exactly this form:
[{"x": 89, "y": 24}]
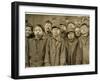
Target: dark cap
[{"x": 55, "y": 27}]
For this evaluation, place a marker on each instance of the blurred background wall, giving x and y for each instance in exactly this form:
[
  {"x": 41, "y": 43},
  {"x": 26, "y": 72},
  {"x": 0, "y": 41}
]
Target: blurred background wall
[{"x": 34, "y": 19}]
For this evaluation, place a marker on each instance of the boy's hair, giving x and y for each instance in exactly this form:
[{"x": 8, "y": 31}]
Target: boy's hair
[
  {"x": 29, "y": 25},
  {"x": 39, "y": 25},
  {"x": 63, "y": 24},
  {"x": 55, "y": 27},
  {"x": 83, "y": 25},
  {"x": 48, "y": 21},
  {"x": 66, "y": 18},
  {"x": 71, "y": 23}
]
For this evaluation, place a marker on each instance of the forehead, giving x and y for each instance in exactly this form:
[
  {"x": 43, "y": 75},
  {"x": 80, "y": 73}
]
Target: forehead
[
  {"x": 47, "y": 23},
  {"x": 77, "y": 29},
  {"x": 55, "y": 29},
  {"x": 71, "y": 24},
  {"x": 28, "y": 27},
  {"x": 71, "y": 32},
  {"x": 38, "y": 28},
  {"x": 62, "y": 25}
]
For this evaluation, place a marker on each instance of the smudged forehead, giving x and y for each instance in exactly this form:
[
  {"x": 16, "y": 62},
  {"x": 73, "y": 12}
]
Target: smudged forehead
[
  {"x": 47, "y": 25},
  {"x": 37, "y": 28},
  {"x": 84, "y": 27},
  {"x": 77, "y": 29},
  {"x": 71, "y": 25},
  {"x": 28, "y": 28}
]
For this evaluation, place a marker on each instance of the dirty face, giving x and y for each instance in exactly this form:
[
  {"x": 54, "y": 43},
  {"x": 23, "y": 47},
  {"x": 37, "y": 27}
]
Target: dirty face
[
  {"x": 77, "y": 32},
  {"x": 71, "y": 35},
  {"x": 63, "y": 28},
  {"x": 47, "y": 27},
  {"x": 55, "y": 32},
  {"x": 67, "y": 21},
  {"x": 38, "y": 32},
  {"x": 71, "y": 25},
  {"x": 84, "y": 30},
  {"x": 28, "y": 31}
]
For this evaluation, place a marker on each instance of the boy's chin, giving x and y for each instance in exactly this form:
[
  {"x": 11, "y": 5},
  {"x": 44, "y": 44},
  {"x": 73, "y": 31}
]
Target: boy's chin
[
  {"x": 48, "y": 31},
  {"x": 85, "y": 35},
  {"x": 70, "y": 38},
  {"x": 38, "y": 36}
]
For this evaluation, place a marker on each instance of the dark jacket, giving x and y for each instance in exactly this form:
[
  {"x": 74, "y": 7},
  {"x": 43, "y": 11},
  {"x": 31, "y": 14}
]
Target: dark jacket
[
  {"x": 73, "y": 52},
  {"x": 27, "y": 56},
  {"x": 37, "y": 52},
  {"x": 27, "y": 52},
  {"x": 84, "y": 45},
  {"x": 55, "y": 52}
]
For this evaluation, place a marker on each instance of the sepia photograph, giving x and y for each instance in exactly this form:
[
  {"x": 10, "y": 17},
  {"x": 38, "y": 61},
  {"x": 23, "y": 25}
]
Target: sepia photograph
[
  {"x": 56, "y": 40},
  {"x": 50, "y": 40}
]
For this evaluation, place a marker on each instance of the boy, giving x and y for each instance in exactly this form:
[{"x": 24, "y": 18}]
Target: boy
[
  {"x": 72, "y": 46},
  {"x": 77, "y": 32},
  {"x": 84, "y": 43},
  {"x": 63, "y": 31},
  {"x": 55, "y": 50},
  {"x": 48, "y": 27},
  {"x": 28, "y": 36},
  {"x": 37, "y": 47}
]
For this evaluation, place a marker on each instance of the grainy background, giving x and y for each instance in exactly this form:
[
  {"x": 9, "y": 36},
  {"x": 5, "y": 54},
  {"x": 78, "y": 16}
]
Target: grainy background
[{"x": 34, "y": 19}]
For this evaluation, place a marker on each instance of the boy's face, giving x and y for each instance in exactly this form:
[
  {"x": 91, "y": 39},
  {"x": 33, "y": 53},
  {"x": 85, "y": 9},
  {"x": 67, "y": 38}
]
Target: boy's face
[
  {"x": 47, "y": 27},
  {"x": 67, "y": 21},
  {"x": 71, "y": 35},
  {"x": 84, "y": 30},
  {"x": 71, "y": 25},
  {"x": 63, "y": 28},
  {"x": 28, "y": 31},
  {"x": 77, "y": 31},
  {"x": 38, "y": 31},
  {"x": 55, "y": 32}
]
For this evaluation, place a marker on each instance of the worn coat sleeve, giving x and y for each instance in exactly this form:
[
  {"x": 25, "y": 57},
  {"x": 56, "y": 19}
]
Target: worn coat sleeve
[
  {"x": 79, "y": 54},
  {"x": 47, "y": 54},
  {"x": 63, "y": 55},
  {"x": 31, "y": 51}
]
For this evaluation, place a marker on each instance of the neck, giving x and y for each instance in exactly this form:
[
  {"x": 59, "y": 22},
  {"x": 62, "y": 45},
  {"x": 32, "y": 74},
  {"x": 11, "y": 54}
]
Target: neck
[
  {"x": 38, "y": 37},
  {"x": 47, "y": 32},
  {"x": 71, "y": 40},
  {"x": 56, "y": 37},
  {"x": 84, "y": 37}
]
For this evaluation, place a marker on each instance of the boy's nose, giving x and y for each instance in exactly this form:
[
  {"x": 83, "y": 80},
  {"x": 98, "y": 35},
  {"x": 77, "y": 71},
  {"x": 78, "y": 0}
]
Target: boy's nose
[{"x": 38, "y": 32}]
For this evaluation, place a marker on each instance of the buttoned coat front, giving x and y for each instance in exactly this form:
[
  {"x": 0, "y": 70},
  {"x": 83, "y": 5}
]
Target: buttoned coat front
[
  {"x": 37, "y": 52},
  {"x": 55, "y": 52}
]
